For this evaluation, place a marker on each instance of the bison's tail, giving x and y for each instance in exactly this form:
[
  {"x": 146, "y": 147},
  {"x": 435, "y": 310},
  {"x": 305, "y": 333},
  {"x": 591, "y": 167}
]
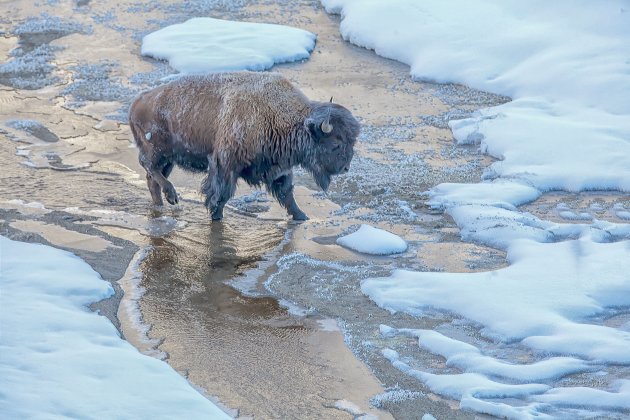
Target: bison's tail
[{"x": 136, "y": 131}]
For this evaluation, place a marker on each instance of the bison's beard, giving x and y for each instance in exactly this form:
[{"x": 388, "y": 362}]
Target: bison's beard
[{"x": 322, "y": 179}]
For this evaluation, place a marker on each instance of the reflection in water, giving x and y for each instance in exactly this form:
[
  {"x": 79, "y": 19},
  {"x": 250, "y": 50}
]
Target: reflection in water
[
  {"x": 216, "y": 334},
  {"x": 189, "y": 267}
]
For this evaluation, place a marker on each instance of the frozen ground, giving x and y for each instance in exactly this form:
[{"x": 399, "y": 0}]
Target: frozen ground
[{"x": 65, "y": 144}]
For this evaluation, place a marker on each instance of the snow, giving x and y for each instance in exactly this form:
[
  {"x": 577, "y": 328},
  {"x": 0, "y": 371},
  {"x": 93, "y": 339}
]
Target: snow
[
  {"x": 371, "y": 240},
  {"x": 544, "y": 300},
  {"x": 470, "y": 388},
  {"x": 205, "y": 45},
  {"x": 541, "y": 299},
  {"x": 469, "y": 358},
  {"x": 565, "y": 65},
  {"x": 588, "y": 397},
  {"x": 498, "y": 193},
  {"x": 59, "y": 359}
]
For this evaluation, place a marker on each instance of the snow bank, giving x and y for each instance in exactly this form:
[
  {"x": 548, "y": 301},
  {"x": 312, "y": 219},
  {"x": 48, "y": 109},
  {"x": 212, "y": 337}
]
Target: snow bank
[
  {"x": 58, "y": 359},
  {"x": 371, "y": 240},
  {"x": 204, "y": 45},
  {"x": 564, "y": 63}
]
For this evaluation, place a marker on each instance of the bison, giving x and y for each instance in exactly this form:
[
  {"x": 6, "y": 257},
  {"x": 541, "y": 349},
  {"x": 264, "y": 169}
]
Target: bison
[{"x": 254, "y": 126}]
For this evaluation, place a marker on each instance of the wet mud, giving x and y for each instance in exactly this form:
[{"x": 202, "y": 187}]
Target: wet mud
[{"x": 263, "y": 315}]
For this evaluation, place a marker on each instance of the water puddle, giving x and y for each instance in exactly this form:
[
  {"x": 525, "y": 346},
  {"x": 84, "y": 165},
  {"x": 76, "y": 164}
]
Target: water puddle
[{"x": 215, "y": 334}]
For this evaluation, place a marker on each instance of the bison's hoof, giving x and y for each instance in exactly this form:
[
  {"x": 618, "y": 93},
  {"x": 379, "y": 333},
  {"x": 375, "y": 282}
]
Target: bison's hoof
[
  {"x": 300, "y": 217},
  {"x": 171, "y": 195},
  {"x": 217, "y": 215}
]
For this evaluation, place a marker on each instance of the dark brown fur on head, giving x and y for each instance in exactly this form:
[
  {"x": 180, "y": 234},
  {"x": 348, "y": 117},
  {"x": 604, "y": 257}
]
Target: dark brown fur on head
[
  {"x": 332, "y": 152},
  {"x": 254, "y": 126}
]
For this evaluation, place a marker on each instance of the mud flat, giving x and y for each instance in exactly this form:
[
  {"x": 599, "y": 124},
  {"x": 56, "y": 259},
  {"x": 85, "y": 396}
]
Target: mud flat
[{"x": 70, "y": 179}]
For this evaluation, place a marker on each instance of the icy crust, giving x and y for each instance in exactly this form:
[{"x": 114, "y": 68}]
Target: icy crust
[
  {"x": 205, "y": 45},
  {"x": 371, "y": 240},
  {"x": 46, "y": 24},
  {"x": 59, "y": 359}
]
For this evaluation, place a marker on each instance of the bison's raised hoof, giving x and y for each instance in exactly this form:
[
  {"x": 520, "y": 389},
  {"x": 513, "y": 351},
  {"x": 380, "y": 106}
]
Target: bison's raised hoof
[{"x": 171, "y": 195}]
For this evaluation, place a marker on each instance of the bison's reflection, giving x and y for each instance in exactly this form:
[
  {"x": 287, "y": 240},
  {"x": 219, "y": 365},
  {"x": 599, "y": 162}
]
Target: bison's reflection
[
  {"x": 225, "y": 342},
  {"x": 185, "y": 274}
]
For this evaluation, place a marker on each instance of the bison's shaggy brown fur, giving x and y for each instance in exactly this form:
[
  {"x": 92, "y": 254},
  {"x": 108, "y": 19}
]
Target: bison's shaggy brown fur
[{"x": 254, "y": 126}]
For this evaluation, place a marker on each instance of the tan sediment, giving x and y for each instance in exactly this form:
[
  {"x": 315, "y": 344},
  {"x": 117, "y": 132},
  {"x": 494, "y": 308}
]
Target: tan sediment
[{"x": 62, "y": 237}]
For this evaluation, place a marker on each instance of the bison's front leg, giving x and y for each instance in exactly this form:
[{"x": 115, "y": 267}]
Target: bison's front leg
[
  {"x": 282, "y": 189},
  {"x": 219, "y": 186}
]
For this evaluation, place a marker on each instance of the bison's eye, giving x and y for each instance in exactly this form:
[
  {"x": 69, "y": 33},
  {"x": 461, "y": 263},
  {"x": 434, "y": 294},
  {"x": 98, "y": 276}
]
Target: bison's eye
[{"x": 337, "y": 147}]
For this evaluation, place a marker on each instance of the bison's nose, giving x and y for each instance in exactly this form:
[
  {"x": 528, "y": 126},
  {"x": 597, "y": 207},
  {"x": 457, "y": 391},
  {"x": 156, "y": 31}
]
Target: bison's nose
[{"x": 346, "y": 169}]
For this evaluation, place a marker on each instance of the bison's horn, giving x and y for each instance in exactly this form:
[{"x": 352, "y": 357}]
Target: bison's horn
[
  {"x": 326, "y": 125},
  {"x": 331, "y": 99}
]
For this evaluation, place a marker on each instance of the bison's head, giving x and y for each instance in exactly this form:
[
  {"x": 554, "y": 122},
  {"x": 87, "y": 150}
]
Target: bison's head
[{"x": 334, "y": 132}]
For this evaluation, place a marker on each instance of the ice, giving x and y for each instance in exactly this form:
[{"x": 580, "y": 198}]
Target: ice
[
  {"x": 371, "y": 240},
  {"x": 205, "y": 45},
  {"x": 394, "y": 396},
  {"x": 58, "y": 359}
]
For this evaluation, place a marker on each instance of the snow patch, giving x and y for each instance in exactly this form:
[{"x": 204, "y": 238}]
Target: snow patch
[
  {"x": 206, "y": 45},
  {"x": 371, "y": 240}
]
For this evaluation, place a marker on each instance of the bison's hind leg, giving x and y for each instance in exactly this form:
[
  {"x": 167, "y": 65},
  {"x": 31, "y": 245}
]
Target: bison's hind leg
[
  {"x": 158, "y": 167},
  {"x": 154, "y": 187}
]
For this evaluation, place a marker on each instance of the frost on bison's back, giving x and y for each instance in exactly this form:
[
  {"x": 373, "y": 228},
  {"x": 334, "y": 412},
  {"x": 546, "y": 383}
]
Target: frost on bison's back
[{"x": 254, "y": 126}]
